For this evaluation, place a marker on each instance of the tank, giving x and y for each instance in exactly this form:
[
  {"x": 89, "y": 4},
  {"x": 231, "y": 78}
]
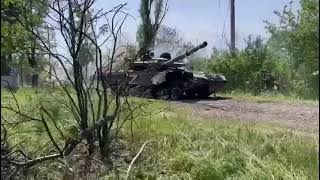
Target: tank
[{"x": 164, "y": 78}]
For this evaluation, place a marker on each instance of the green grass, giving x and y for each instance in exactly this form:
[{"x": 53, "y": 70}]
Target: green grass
[
  {"x": 184, "y": 148},
  {"x": 270, "y": 97},
  {"x": 212, "y": 150}
]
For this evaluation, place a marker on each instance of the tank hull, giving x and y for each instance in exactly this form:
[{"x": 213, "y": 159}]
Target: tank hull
[
  {"x": 164, "y": 78},
  {"x": 167, "y": 84}
]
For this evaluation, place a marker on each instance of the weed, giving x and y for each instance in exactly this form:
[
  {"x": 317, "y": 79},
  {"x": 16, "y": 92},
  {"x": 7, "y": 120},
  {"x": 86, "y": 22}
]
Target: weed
[{"x": 182, "y": 148}]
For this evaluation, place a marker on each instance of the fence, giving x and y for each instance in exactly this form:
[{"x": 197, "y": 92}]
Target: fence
[{"x": 11, "y": 81}]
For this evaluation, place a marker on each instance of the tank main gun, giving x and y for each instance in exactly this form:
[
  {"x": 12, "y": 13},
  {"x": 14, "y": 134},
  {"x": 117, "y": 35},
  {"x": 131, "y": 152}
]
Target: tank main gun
[
  {"x": 186, "y": 54},
  {"x": 163, "y": 62}
]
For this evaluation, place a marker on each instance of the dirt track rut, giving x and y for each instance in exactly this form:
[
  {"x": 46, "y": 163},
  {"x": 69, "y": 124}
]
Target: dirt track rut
[{"x": 297, "y": 116}]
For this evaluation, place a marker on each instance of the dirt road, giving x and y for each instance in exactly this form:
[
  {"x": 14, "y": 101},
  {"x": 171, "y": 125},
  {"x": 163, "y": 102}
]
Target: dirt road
[{"x": 297, "y": 116}]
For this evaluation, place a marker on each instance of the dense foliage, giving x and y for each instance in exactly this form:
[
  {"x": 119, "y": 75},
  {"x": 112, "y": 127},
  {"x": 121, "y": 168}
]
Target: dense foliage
[
  {"x": 290, "y": 55},
  {"x": 245, "y": 70},
  {"x": 18, "y": 44},
  {"x": 150, "y": 23}
]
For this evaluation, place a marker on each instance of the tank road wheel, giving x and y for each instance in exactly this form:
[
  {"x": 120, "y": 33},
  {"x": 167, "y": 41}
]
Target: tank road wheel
[
  {"x": 147, "y": 93},
  {"x": 190, "y": 94},
  {"x": 161, "y": 93},
  {"x": 119, "y": 89},
  {"x": 203, "y": 93},
  {"x": 140, "y": 91},
  {"x": 176, "y": 93},
  {"x": 114, "y": 89},
  {"x": 135, "y": 91}
]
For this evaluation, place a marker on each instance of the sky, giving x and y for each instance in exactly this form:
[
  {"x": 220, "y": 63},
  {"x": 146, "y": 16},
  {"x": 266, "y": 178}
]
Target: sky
[
  {"x": 202, "y": 20},
  {"x": 208, "y": 20}
]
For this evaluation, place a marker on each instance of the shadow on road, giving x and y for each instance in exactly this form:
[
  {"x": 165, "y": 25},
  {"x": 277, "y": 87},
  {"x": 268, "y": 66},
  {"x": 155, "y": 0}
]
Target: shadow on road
[{"x": 196, "y": 100}]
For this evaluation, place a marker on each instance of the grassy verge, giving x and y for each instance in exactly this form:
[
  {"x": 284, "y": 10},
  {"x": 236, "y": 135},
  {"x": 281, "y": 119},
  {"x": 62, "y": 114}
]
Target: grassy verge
[
  {"x": 182, "y": 148},
  {"x": 270, "y": 97},
  {"x": 212, "y": 150}
]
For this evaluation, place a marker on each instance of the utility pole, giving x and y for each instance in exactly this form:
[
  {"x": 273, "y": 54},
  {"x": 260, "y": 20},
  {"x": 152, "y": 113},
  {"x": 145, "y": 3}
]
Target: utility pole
[{"x": 232, "y": 26}]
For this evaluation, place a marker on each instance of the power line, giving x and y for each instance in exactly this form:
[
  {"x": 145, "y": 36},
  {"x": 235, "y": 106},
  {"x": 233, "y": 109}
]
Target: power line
[
  {"x": 217, "y": 17},
  {"x": 225, "y": 19}
]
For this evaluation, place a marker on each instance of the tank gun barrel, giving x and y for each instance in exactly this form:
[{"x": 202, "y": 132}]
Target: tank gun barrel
[{"x": 188, "y": 53}]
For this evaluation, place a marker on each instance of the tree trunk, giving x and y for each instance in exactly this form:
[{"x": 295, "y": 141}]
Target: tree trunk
[
  {"x": 86, "y": 72},
  {"x": 4, "y": 65},
  {"x": 35, "y": 80},
  {"x": 33, "y": 64},
  {"x": 21, "y": 73}
]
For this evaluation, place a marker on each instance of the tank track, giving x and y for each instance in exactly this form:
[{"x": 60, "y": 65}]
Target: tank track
[{"x": 166, "y": 92}]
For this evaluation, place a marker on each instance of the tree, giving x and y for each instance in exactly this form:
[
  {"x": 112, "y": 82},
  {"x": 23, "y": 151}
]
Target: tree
[
  {"x": 97, "y": 115},
  {"x": 168, "y": 35},
  {"x": 11, "y": 33},
  {"x": 297, "y": 35},
  {"x": 86, "y": 51},
  {"x": 15, "y": 39},
  {"x": 171, "y": 39},
  {"x": 150, "y": 24}
]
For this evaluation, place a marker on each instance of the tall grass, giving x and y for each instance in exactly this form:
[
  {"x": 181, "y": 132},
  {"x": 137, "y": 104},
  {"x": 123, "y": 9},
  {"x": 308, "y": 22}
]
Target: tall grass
[
  {"x": 211, "y": 150},
  {"x": 270, "y": 97},
  {"x": 184, "y": 148}
]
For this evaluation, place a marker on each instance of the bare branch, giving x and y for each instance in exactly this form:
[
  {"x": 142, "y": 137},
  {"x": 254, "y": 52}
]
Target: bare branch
[
  {"x": 135, "y": 158},
  {"x": 53, "y": 120},
  {"x": 49, "y": 133},
  {"x": 20, "y": 113},
  {"x": 33, "y": 162}
]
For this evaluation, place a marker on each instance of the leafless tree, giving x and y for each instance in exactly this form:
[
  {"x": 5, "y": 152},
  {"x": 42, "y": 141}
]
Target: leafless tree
[{"x": 99, "y": 115}]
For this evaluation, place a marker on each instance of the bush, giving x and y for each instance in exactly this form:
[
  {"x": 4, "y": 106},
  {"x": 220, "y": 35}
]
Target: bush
[{"x": 247, "y": 70}]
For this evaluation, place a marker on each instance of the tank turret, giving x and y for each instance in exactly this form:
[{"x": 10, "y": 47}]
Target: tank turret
[
  {"x": 165, "y": 60},
  {"x": 188, "y": 53}
]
